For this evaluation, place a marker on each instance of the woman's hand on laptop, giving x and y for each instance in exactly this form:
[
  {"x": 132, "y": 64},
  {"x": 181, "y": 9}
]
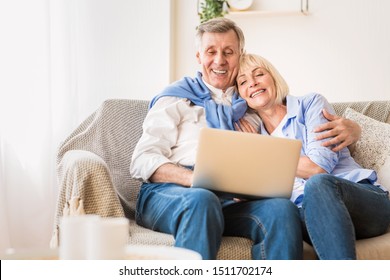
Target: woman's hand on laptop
[{"x": 244, "y": 126}]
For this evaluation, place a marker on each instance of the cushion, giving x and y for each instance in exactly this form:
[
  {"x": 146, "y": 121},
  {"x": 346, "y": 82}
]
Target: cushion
[
  {"x": 372, "y": 151},
  {"x": 384, "y": 174}
]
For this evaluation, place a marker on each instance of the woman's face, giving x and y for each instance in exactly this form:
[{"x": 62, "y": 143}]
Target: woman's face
[{"x": 257, "y": 87}]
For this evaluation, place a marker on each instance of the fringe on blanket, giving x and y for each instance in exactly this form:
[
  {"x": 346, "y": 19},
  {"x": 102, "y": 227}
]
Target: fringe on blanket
[{"x": 73, "y": 207}]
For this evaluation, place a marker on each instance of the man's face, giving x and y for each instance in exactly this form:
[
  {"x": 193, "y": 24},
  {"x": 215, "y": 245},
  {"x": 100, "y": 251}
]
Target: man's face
[{"x": 219, "y": 55}]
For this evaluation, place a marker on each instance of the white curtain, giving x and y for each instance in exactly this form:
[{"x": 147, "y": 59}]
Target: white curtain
[
  {"x": 26, "y": 183},
  {"x": 40, "y": 103},
  {"x": 32, "y": 120},
  {"x": 59, "y": 60}
]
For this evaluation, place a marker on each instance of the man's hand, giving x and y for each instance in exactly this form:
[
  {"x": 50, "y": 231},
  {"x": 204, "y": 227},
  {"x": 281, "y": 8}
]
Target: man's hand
[{"x": 344, "y": 132}]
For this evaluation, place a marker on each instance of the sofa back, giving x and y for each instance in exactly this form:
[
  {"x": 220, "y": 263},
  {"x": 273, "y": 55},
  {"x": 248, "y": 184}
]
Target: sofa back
[
  {"x": 114, "y": 129},
  {"x": 378, "y": 110}
]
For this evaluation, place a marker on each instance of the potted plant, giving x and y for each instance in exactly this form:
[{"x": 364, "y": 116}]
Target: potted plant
[{"x": 208, "y": 9}]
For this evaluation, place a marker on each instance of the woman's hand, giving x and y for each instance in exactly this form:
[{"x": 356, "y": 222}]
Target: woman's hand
[
  {"x": 244, "y": 126},
  {"x": 343, "y": 132}
]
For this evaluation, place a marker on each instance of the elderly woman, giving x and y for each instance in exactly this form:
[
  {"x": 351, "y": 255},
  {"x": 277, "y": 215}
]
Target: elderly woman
[{"x": 339, "y": 201}]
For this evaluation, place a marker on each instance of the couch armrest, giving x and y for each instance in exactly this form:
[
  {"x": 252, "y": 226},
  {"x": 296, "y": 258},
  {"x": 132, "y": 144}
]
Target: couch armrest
[{"x": 84, "y": 181}]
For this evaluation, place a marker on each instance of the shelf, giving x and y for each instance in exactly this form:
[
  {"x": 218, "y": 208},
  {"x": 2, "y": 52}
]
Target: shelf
[
  {"x": 266, "y": 13},
  {"x": 303, "y": 11}
]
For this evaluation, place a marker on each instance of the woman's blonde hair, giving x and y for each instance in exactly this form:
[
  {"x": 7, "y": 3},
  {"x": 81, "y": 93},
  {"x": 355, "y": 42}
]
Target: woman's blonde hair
[{"x": 251, "y": 61}]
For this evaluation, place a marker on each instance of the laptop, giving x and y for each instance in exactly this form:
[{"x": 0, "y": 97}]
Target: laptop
[{"x": 245, "y": 165}]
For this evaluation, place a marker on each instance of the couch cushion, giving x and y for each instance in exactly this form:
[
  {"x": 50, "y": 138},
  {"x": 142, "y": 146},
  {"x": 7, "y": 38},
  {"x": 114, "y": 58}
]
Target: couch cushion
[
  {"x": 238, "y": 248},
  {"x": 384, "y": 174},
  {"x": 372, "y": 151}
]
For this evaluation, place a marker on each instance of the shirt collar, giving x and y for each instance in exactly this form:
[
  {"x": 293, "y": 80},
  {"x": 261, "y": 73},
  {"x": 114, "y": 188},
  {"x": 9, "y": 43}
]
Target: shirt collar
[
  {"x": 292, "y": 103},
  {"x": 218, "y": 93}
]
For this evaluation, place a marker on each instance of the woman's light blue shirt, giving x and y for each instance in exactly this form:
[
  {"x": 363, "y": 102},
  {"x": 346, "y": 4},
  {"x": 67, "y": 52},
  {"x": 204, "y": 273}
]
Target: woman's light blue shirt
[{"x": 304, "y": 113}]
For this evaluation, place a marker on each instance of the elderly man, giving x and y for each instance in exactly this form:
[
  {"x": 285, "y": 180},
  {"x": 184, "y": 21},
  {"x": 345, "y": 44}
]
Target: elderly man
[{"x": 165, "y": 155}]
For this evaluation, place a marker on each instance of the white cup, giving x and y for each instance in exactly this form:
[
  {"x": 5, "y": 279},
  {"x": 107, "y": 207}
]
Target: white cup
[
  {"x": 107, "y": 239},
  {"x": 74, "y": 232}
]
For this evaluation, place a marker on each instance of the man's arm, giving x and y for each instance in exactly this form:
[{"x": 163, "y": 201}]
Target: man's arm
[
  {"x": 344, "y": 132},
  {"x": 172, "y": 173},
  {"x": 159, "y": 135}
]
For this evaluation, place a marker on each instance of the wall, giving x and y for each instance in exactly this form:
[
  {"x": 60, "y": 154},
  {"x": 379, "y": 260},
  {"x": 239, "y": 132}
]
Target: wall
[
  {"x": 339, "y": 50},
  {"x": 120, "y": 49}
]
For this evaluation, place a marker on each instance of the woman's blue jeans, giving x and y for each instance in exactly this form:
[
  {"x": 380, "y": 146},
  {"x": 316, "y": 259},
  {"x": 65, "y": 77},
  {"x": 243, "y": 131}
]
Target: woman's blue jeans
[
  {"x": 198, "y": 219},
  {"x": 336, "y": 212}
]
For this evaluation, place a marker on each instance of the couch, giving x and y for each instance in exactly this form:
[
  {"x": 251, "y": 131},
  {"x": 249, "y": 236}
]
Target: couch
[{"x": 93, "y": 175}]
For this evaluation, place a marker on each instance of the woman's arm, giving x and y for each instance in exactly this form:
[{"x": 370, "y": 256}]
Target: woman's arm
[
  {"x": 310, "y": 118},
  {"x": 307, "y": 168},
  {"x": 344, "y": 132}
]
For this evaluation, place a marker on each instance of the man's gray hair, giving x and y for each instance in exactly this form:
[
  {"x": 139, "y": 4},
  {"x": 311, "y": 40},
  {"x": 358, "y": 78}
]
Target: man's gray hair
[{"x": 220, "y": 25}]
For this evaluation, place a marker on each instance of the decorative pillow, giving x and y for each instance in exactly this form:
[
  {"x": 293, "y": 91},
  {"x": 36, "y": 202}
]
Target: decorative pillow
[
  {"x": 372, "y": 151},
  {"x": 384, "y": 174}
]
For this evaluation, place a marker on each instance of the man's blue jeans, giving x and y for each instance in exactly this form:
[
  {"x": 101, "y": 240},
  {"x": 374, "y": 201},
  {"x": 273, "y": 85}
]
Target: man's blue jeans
[
  {"x": 337, "y": 212},
  {"x": 198, "y": 219}
]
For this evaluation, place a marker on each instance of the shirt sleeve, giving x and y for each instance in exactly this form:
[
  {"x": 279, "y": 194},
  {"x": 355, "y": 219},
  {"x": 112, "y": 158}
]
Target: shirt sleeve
[
  {"x": 313, "y": 117},
  {"x": 160, "y": 130}
]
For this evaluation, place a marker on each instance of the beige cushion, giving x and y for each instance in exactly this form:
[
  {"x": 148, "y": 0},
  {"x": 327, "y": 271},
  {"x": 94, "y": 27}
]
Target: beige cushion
[
  {"x": 376, "y": 248},
  {"x": 384, "y": 174},
  {"x": 372, "y": 151}
]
